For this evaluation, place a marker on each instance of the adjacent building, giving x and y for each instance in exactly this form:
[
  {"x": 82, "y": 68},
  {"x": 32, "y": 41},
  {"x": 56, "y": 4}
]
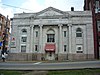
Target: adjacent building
[
  {"x": 4, "y": 25},
  {"x": 52, "y": 34},
  {"x": 94, "y": 6}
]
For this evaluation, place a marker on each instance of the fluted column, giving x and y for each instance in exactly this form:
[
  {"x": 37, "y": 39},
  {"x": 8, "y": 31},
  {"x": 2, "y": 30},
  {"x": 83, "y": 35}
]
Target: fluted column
[
  {"x": 60, "y": 38},
  {"x": 40, "y": 39},
  {"x": 70, "y": 37}
]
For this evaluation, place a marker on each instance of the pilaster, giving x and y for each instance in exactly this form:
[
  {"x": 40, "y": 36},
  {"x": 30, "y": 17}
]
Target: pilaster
[
  {"x": 60, "y": 38},
  {"x": 40, "y": 39},
  {"x": 32, "y": 39},
  {"x": 70, "y": 37}
]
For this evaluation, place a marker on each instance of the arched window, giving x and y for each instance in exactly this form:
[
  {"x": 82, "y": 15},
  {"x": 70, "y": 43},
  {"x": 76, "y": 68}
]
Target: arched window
[
  {"x": 78, "y": 32},
  {"x": 50, "y": 35},
  {"x": 24, "y": 31}
]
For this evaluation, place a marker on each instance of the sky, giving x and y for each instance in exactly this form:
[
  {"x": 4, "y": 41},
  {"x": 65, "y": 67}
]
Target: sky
[{"x": 33, "y": 6}]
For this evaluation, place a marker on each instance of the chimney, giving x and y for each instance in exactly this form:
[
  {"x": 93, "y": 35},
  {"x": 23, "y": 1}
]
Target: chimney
[{"x": 72, "y": 8}]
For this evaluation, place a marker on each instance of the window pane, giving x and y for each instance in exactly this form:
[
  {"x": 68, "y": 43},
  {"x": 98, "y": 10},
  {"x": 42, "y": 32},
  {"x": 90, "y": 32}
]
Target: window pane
[
  {"x": 23, "y": 48},
  {"x": 50, "y": 38},
  {"x": 65, "y": 48},
  {"x": 78, "y": 30},
  {"x": 36, "y": 33},
  {"x": 24, "y": 31},
  {"x": 24, "y": 39},
  {"x": 78, "y": 34},
  {"x": 64, "y": 33},
  {"x": 36, "y": 47}
]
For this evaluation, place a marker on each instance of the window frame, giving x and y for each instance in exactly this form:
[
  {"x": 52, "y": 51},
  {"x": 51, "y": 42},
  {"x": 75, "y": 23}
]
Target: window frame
[
  {"x": 50, "y": 37},
  {"x": 23, "y": 51},
  {"x": 36, "y": 48},
  {"x": 24, "y": 39},
  {"x": 65, "y": 33},
  {"x": 65, "y": 48},
  {"x": 24, "y": 31},
  {"x": 36, "y": 33},
  {"x": 79, "y": 33}
]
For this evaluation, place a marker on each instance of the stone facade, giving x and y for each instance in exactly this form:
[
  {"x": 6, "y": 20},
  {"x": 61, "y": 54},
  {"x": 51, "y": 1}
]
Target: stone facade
[{"x": 70, "y": 32}]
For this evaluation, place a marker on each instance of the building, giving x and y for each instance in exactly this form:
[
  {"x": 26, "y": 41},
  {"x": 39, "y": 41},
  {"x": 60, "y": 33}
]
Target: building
[
  {"x": 94, "y": 6},
  {"x": 4, "y": 24},
  {"x": 52, "y": 34}
]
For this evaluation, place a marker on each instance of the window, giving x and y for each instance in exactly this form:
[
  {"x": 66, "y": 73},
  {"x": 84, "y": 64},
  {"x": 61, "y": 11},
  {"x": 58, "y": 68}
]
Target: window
[
  {"x": 98, "y": 24},
  {"x": 24, "y": 39},
  {"x": 79, "y": 49},
  {"x": 64, "y": 33},
  {"x": 50, "y": 38},
  {"x": 97, "y": 4},
  {"x": 65, "y": 46},
  {"x": 78, "y": 32},
  {"x": 36, "y": 33},
  {"x": 23, "y": 48},
  {"x": 36, "y": 47},
  {"x": 24, "y": 31}
]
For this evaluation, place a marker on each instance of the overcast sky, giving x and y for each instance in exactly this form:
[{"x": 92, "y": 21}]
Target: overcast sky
[{"x": 38, "y": 5}]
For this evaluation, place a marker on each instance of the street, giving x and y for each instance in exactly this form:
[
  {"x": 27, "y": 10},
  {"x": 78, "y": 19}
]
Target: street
[{"x": 48, "y": 66}]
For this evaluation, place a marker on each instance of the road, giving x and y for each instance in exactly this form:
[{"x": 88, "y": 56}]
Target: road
[{"x": 48, "y": 66}]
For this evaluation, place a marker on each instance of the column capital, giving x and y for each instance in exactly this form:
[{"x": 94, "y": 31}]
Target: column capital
[
  {"x": 40, "y": 25},
  {"x": 70, "y": 25},
  {"x": 31, "y": 25},
  {"x": 60, "y": 25}
]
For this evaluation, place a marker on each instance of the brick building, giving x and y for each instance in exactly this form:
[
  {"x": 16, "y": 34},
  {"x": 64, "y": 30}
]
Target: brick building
[
  {"x": 94, "y": 6},
  {"x": 4, "y": 24}
]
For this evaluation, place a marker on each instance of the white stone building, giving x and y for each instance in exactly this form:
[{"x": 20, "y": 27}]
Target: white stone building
[{"x": 52, "y": 34}]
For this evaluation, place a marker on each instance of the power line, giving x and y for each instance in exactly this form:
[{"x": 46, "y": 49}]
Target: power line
[{"x": 15, "y": 7}]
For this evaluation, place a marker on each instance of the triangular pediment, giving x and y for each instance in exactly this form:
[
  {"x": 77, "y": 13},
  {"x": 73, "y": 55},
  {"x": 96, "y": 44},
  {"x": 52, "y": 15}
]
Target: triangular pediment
[{"x": 50, "y": 11}]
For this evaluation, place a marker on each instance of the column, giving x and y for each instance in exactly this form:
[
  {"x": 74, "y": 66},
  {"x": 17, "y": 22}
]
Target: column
[
  {"x": 70, "y": 37},
  {"x": 60, "y": 38},
  {"x": 32, "y": 38},
  {"x": 40, "y": 39}
]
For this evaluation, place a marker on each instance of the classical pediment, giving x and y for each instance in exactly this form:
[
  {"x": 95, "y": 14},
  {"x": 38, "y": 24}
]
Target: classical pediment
[{"x": 50, "y": 11}]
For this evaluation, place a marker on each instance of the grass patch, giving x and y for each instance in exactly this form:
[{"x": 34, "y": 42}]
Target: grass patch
[
  {"x": 64, "y": 72},
  {"x": 76, "y": 72},
  {"x": 8, "y": 72}
]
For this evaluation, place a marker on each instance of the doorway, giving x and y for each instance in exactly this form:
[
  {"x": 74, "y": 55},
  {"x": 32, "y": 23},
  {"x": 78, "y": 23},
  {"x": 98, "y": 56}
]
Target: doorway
[{"x": 50, "y": 55}]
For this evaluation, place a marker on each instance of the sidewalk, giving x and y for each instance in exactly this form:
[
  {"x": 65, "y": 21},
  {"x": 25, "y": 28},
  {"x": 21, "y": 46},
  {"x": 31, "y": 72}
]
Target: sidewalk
[{"x": 47, "y": 61}]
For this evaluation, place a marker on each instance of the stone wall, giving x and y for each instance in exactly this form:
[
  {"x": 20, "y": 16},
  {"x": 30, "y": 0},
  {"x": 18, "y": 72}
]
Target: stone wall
[
  {"x": 60, "y": 57},
  {"x": 25, "y": 56},
  {"x": 80, "y": 56}
]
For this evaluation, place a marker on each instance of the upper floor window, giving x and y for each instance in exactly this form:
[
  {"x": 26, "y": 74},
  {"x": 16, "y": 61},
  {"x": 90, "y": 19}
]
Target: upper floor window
[
  {"x": 36, "y": 33},
  {"x": 50, "y": 35},
  {"x": 50, "y": 38},
  {"x": 97, "y": 6},
  {"x": 24, "y": 31},
  {"x": 78, "y": 32}
]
